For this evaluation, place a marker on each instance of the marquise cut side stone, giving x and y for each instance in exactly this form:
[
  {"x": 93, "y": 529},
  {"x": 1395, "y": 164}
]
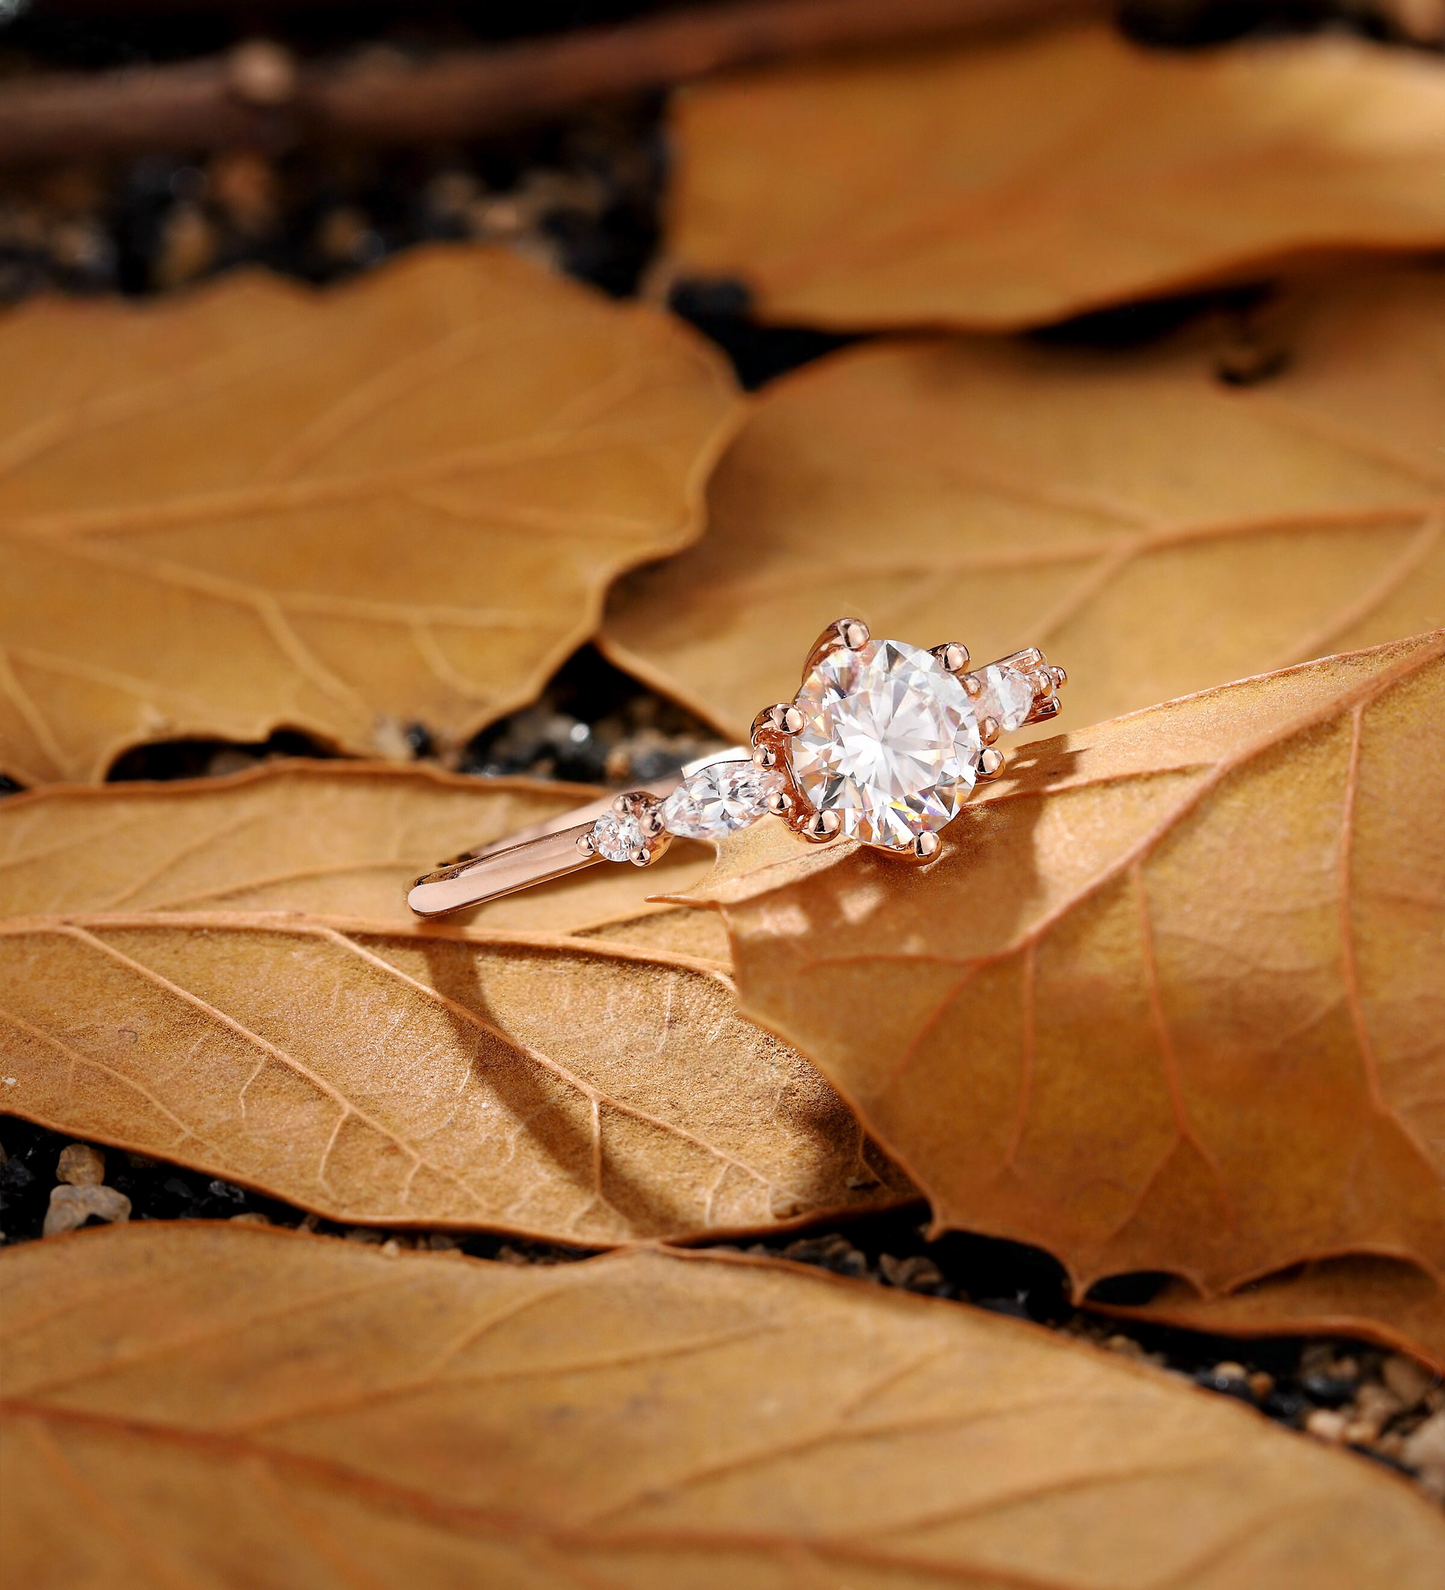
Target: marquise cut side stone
[
  {"x": 719, "y": 799},
  {"x": 1008, "y": 696},
  {"x": 889, "y": 742}
]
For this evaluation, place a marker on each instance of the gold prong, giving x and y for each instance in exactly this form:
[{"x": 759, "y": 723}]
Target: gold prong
[
  {"x": 927, "y": 845},
  {"x": 988, "y": 729},
  {"x": 972, "y": 686},
  {"x": 853, "y": 632},
  {"x": 641, "y": 856},
  {"x": 990, "y": 763},
  {"x": 1045, "y": 710},
  {"x": 842, "y": 634},
  {"x": 953, "y": 655},
  {"x": 649, "y": 821},
  {"x": 1029, "y": 657},
  {"x": 821, "y": 826},
  {"x": 1059, "y": 676},
  {"x": 765, "y": 757},
  {"x": 632, "y": 802},
  {"x": 585, "y": 844},
  {"x": 779, "y": 803},
  {"x": 784, "y": 718}
]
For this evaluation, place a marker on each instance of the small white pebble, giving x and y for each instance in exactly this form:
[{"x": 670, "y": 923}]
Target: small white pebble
[
  {"x": 9, "y": 1082},
  {"x": 1406, "y": 1379},
  {"x": 1326, "y": 1425},
  {"x": 1425, "y": 1445},
  {"x": 80, "y": 1165},
  {"x": 1377, "y": 1403},
  {"x": 71, "y": 1207}
]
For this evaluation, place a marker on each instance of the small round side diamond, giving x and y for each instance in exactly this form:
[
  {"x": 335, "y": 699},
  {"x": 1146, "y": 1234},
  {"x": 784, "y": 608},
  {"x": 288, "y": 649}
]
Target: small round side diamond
[
  {"x": 1008, "y": 696},
  {"x": 719, "y": 799},
  {"x": 615, "y": 838}
]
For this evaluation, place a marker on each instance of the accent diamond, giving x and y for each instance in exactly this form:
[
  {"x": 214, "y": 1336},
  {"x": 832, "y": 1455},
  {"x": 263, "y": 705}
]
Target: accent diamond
[
  {"x": 1007, "y": 695},
  {"x": 889, "y": 742},
  {"x": 718, "y": 799},
  {"x": 616, "y": 837}
]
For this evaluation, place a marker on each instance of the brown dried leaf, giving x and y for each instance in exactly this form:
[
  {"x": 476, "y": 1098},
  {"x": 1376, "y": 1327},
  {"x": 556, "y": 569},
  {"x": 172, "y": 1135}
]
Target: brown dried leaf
[
  {"x": 1051, "y": 174},
  {"x": 264, "y": 1407},
  {"x": 1362, "y": 1295},
  {"x": 225, "y": 973},
  {"x": 258, "y": 505},
  {"x": 1173, "y": 996},
  {"x": 1157, "y": 531}
]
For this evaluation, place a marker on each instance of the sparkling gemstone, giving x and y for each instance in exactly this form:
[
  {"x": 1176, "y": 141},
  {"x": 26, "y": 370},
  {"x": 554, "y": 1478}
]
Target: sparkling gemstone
[
  {"x": 718, "y": 799},
  {"x": 1007, "y": 696},
  {"x": 889, "y": 742},
  {"x": 616, "y": 837}
]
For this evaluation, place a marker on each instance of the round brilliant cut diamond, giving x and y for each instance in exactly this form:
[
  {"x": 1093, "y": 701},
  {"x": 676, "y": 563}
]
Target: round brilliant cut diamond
[
  {"x": 889, "y": 741},
  {"x": 1007, "y": 696},
  {"x": 616, "y": 837},
  {"x": 714, "y": 801}
]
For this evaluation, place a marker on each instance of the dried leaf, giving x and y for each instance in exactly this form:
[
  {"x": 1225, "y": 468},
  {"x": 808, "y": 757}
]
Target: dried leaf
[
  {"x": 1157, "y": 531},
  {"x": 258, "y": 505},
  {"x": 224, "y": 973},
  {"x": 1173, "y": 996},
  {"x": 262, "y": 1407},
  {"x": 1049, "y": 175},
  {"x": 1363, "y": 1295}
]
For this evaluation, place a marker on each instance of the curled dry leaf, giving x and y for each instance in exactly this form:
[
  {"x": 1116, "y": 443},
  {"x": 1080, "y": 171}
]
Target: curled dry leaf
[
  {"x": 1049, "y": 175},
  {"x": 1173, "y": 996},
  {"x": 1155, "y": 530},
  {"x": 1362, "y": 1295},
  {"x": 640, "y": 1421},
  {"x": 224, "y": 973},
  {"x": 259, "y": 505}
]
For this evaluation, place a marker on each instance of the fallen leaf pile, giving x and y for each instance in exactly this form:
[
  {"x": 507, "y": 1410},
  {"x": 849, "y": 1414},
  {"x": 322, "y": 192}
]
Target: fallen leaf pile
[
  {"x": 224, "y": 972},
  {"x": 256, "y": 507},
  {"x": 1170, "y": 1000},
  {"x": 346, "y": 1418},
  {"x": 1049, "y": 175}
]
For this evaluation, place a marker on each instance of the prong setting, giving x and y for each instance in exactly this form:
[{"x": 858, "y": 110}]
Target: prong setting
[
  {"x": 988, "y": 729},
  {"x": 926, "y": 846},
  {"x": 784, "y": 718},
  {"x": 953, "y": 655},
  {"x": 821, "y": 826},
  {"x": 850, "y": 634},
  {"x": 990, "y": 763}
]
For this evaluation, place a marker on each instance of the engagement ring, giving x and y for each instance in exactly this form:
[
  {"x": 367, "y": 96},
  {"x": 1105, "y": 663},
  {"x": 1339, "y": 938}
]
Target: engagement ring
[{"x": 883, "y": 743}]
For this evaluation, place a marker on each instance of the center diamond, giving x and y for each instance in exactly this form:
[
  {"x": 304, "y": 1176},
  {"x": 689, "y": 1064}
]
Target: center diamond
[{"x": 889, "y": 742}]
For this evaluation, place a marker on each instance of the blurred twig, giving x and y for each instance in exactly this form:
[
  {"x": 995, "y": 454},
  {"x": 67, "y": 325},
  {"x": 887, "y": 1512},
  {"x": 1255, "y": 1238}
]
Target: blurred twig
[{"x": 258, "y": 94}]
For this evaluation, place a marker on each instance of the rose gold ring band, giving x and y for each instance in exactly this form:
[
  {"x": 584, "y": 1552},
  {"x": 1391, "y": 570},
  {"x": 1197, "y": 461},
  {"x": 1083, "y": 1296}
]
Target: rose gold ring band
[{"x": 533, "y": 855}]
